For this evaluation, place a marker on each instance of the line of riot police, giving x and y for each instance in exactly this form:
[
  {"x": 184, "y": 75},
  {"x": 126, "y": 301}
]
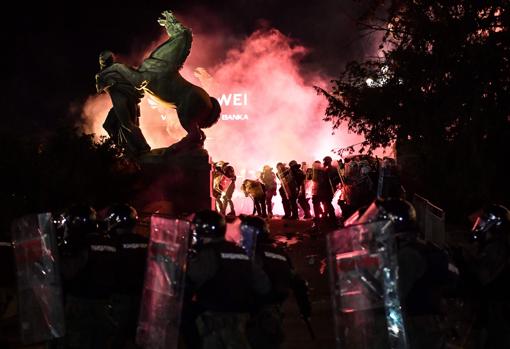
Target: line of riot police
[
  {"x": 393, "y": 289},
  {"x": 296, "y": 181},
  {"x": 122, "y": 290},
  {"x": 103, "y": 273},
  {"x": 234, "y": 292}
]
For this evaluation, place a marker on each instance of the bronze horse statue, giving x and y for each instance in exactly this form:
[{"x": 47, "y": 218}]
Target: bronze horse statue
[{"x": 159, "y": 76}]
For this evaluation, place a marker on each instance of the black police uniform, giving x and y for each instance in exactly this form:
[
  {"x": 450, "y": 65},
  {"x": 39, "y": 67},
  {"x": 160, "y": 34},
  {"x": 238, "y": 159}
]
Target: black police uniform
[
  {"x": 224, "y": 284},
  {"x": 88, "y": 267},
  {"x": 328, "y": 188},
  {"x": 299, "y": 177},
  {"x": 129, "y": 278},
  {"x": 492, "y": 270},
  {"x": 424, "y": 274},
  {"x": 265, "y": 329}
]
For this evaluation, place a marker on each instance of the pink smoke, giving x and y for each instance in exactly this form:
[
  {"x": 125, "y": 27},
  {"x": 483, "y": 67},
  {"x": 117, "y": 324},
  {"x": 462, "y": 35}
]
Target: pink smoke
[{"x": 262, "y": 73}]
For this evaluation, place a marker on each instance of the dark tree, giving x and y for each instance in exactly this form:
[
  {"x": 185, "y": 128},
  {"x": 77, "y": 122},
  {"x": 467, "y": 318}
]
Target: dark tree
[{"x": 441, "y": 90}]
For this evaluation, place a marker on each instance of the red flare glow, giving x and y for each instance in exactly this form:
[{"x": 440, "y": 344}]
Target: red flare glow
[{"x": 283, "y": 112}]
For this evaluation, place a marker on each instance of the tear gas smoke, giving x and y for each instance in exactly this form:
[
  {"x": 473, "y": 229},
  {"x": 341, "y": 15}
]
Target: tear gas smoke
[{"x": 270, "y": 111}]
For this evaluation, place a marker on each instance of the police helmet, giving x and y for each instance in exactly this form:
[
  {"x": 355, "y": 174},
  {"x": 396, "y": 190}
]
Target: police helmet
[
  {"x": 293, "y": 164},
  {"x": 258, "y": 224},
  {"x": 229, "y": 171},
  {"x": 209, "y": 224},
  {"x": 121, "y": 216},
  {"x": 494, "y": 220},
  {"x": 401, "y": 212},
  {"x": 81, "y": 218}
]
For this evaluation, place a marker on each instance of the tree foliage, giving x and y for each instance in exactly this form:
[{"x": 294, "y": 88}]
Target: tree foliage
[{"x": 439, "y": 86}]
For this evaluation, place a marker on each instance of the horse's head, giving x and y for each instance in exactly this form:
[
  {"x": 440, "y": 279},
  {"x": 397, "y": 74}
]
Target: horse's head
[{"x": 172, "y": 25}]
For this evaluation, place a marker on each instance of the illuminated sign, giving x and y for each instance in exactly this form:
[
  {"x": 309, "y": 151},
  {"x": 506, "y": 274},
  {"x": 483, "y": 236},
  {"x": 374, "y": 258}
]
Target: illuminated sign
[{"x": 232, "y": 104}]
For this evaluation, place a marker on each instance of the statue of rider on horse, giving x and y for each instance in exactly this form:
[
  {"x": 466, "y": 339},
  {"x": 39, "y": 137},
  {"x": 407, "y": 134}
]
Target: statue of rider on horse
[{"x": 159, "y": 76}]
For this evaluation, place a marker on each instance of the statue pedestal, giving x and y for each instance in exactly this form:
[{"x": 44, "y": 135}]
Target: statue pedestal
[{"x": 175, "y": 184}]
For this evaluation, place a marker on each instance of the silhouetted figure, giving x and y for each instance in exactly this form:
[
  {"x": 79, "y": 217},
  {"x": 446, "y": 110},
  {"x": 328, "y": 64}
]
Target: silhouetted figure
[
  {"x": 316, "y": 175},
  {"x": 299, "y": 177},
  {"x": 228, "y": 186},
  {"x": 223, "y": 285},
  {"x": 218, "y": 177},
  {"x": 268, "y": 178},
  {"x": 129, "y": 272},
  {"x": 256, "y": 191},
  {"x": 88, "y": 268},
  {"x": 491, "y": 268},
  {"x": 265, "y": 329},
  {"x": 328, "y": 187},
  {"x": 284, "y": 175},
  {"x": 122, "y": 122},
  {"x": 425, "y": 273}
]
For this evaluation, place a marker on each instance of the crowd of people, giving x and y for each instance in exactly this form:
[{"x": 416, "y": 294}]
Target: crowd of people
[
  {"x": 231, "y": 291},
  {"x": 234, "y": 290},
  {"x": 295, "y": 183}
]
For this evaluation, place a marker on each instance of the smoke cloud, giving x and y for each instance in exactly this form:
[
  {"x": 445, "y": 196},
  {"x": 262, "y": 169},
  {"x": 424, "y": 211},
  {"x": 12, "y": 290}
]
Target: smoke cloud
[{"x": 270, "y": 111}]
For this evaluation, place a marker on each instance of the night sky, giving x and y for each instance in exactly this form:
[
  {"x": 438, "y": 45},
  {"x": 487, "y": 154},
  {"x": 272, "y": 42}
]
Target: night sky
[{"x": 55, "y": 44}]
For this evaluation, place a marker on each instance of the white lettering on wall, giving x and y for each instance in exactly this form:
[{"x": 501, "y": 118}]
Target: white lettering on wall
[
  {"x": 236, "y": 99},
  {"x": 235, "y": 117}
]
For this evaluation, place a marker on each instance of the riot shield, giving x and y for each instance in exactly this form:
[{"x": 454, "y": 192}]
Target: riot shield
[
  {"x": 430, "y": 219},
  {"x": 248, "y": 239},
  {"x": 161, "y": 306},
  {"x": 388, "y": 184},
  {"x": 363, "y": 277},
  {"x": 286, "y": 180},
  {"x": 41, "y": 311},
  {"x": 224, "y": 183}
]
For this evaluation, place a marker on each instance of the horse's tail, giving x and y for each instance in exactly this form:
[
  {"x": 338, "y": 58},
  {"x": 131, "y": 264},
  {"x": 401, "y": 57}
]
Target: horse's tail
[{"x": 214, "y": 115}]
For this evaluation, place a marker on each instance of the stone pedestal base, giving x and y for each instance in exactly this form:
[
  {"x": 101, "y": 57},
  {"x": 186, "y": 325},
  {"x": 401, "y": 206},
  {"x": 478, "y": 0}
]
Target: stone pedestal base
[{"x": 175, "y": 184}]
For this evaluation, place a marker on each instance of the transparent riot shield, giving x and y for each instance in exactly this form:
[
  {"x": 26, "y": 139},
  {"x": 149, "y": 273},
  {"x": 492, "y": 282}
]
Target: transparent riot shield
[
  {"x": 388, "y": 184},
  {"x": 160, "y": 311},
  {"x": 41, "y": 311},
  {"x": 286, "y": 179},
  {"x": 248, "y": 239},
  {"x": 363, "y": 277}
]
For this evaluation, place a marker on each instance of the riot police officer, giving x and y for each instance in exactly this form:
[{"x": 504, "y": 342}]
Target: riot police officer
[
  {"x": 222, "y": 285},
  {"x": 328, "y": 187},
  {"x": 265, "y": 328},
  {"x": 268, "y": 178},
  {"x": 229, "y": 191},
  {"x": 284, "y": 175},
  {"x": 300, "y": 191},
  {"x": 88, "y": 260},
  {"x": 257, "y": 192},
  {"x": 129, "y": 271},
  {"x": 424, "y": 273},
  {"x": 490, "y": 266}
]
